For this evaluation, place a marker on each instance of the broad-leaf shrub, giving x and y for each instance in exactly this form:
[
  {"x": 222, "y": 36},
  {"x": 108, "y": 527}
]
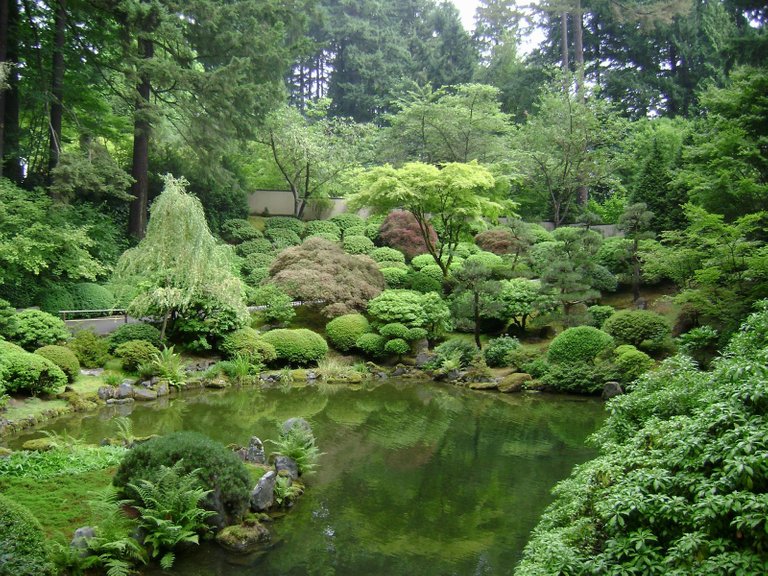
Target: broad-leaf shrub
[
  {"x": 57, "y": 297},
  {"x": 135, "y": 353},
  {"x": 255, "y": 246},
  {"x": 578, "y": 344},
  {"x": 424, "y": 282},
  {"x": 641, "y": 328},
  {"x": 400, "y": 230},
  {"x": 498, "y": 350},
  {"x": 397, "y": 346},
  {"x": 394, "y": 277},
  {"x": 282, "y": 237},
  {"x": 22, "y": 371},
  {"x": 347, "y": 220},
  {"x": 679, "y": 485},
  {"x": 23, "y": 548},
  {"x": 248, "y": 343},
  {"x": 572, "y": 377},
  {"x": 136, "y": 331},
  {"x": 217, "y": 468},
  {"x": 298, "y": 346},
  {"x": 62, "y": 357},
  {"x": 394, "y": 330},
  {"x": 34, "y": 328},
  {"x": 630, "y": 363},
  {"x": 459, "y": 348},
  {"x": 344, "y": 331},
  {"x": 277, "y": 304}
]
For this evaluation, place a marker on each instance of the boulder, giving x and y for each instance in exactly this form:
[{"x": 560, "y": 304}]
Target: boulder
[
  {"x": 423, "y": 358},
  {"x": 39, "y": 445},
  {"x": 144, "y": 394},
  {"x": 106, "y": 392},
  {"x": 243, "y": 538},
  {"x": 287, "y": 466},
  {"x": 612, "y": 389},
  {"x": 80, "y": 540},
  {"x": 125, "y": 390},
  {"x": 162, "y": 389},
  {"x": 217, "y": 382},
  {"x": 294, "y": 422},
  {"x": 514, "y": 382},
  {"x": 263, "y": 494},
  {"x": 490, "y": 385}
]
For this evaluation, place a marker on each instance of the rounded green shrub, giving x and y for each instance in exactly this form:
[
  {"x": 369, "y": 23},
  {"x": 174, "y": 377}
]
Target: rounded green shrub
[
  {"x": 22, "y": 371},
  {"x": 91, "y": 350},
  {"x": 137, "y": 331},
  {"x": 134, "y": 353},
  {"x": 465, "y": 250},
  {"x": 630, "y": 363},
  {"x": 255, "y": 277},
  {"x": 247, "y": 342},
  {"x": 256, "y": 246},
  {"x": 91, "y": 296},
  {"x": 386, "y": 254},
  {"x": 325, "y": 236},
  {"x": 343, "y": 331},
  {"x": 433, "y": 271},
  {"x": 394, "y": 330},
  {"x": 284, "y": 222},
  {"x": 347, "y": 220},
  {"x": 487, "y": 259},
  {"x": 315, "y": 227},
  {"x": 456, "y": 347},
  {"x": 238, "y": 230},
  {"x": 371, "y": 344},
  {"x": 421, "y": 261},
  {"x": 416, "y": 334},
  {"x": 497, "y": 352},
  {"x": 57, "y": 297},
  {"x": 394, "y": 277},
  {"x": 357, "y": 244},
  {"x": 424, "y": 282},
  {"x": 397, "y": 346},
  {"x": 256, "y": 260},
  {"x": 35, "y": 328},
  {"x": 577, "y": 377},
  {"x": 217, "y": 468},
  {"x": 23, "y": 548},
  {"x": 599, "y": 314},
  {"x": 63, "y": 357},
  {"x": 283, "y": 235},
  {"x": 297, "y": 346},
  {"x": 356, "y": 231},
  {"x": 578, "y": 344},
  {"x": 641, "y": 328}
]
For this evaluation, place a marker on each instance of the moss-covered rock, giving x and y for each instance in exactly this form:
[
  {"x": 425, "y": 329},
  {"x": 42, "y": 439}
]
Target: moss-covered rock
[
  {"x": 244, "y": 538},
  {"x": 515, "y": 382}
]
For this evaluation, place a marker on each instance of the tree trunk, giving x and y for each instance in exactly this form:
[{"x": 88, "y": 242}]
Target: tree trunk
[
  {"x": 57, "y": 85},
  {"x": 137, "y": 224},
  {"x": 564, "y": 43},
  {"x": 578, "y": 50},
  {"x": 11, "y": 163},
  {"x": 3, "y": 60}
]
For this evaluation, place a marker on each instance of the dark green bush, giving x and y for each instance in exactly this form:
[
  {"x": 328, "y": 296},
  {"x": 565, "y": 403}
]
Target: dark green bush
[
  {"x": 416, "y": 334},
  {"x": 299, "y": 346},
  {"x": 247, "y": 342},
  {"x": 630, "y": 363},
  {"x": 63, "y": 357},
  {"x": 463, "y": 349},
  {"x": 254, "y": 278},
  {"x": 278, "y": 305},
  {"x": 283, "y": 237},
  {"x": 35, "y": 328},
  {"x": 134, "y": 353},
  {"x": 314, "y": 227},
  {"x": 397, "y": 346},
  {"x": 641, "y": 328},
  {"x": 371, "y": 344},
  {"x": 599, "y": 314},
  {"x": 578, "y": 377},
  {"x": 238, "y": 230},
  {"x": 22, "y": 371},
  {"x": 284, "y": 222},
  {"x": 578, "y": 344},
  {"x": 387, "y": 255},
  {"x": 23, "y": 548},
  {"x": 90, "y": 296},
  {"x": 357, "y": 244},
  {"x": 219, "y": 470},
  {"x": 487, "y": 259},
  {"x": 346, "y": 221},
  {"x": 256, "y": 260},
  {"x": 394, "y": 277},
  {"x": 92, "y": 351},
  {"x": 325, "y": 236},
  {"x": 497, "y": 352},
  {"x": 394, "y": 330},
  {"x": 344, "y": 331},
  {"x": 356, "y": 231},
  {"x": 256, "y": 246},
  {"x": 424, "y": 282},
  {"x": 57, "y": 297},
  {"x": 136, "y": 331}
]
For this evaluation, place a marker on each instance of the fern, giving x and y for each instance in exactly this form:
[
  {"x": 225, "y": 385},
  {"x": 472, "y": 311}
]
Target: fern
[
  {"x": 170, "y": 366},
  {"x": 298, "y": 443}
]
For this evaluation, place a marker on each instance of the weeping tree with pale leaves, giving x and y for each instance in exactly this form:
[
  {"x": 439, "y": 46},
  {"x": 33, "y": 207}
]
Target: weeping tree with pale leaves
[{"x": 179, "y": 271}]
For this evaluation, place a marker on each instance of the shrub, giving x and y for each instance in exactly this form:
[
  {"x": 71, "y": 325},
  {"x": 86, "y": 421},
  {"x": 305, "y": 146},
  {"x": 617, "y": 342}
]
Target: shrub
[
  {"x": 599, "y": 314},
  {"x": 344, "y": 331},
  {"x": 421, "y": 261},
  {"x": 22, "y": 371},
  {"x": 459, "y": 348},
  {"x": 394, "y": 277},
  {"x": 371, "y": 344},
  {"x": 487, "y": 259},
  {"x": 424, "y": 282},
  {"x": 238, "y": 230},
  {"x": 217, "y": 468},
  {"x": 254, "y": 278},
  {"x": 247, "y": 342},
  {"x": 136, "y": 331},
  {"x": 283, "y": 236},
  {"x": 394, "y": 330},
  {"x": 464, "y": 250},
  {"x": 322, "y": 227},
  {"x": 346, "y": 221},
  {"x": 63, "y": 357},
  {"x": 385, "y": 254},
  {"x": 23, "y": 549},
  {"x": 57, "y": 297},
  {"x": 413, "y": 309},
  {"x": 34, "y": 328},
  {"x": 278, "y": 304},
  {"x": 498, "y": 349},
  {"x": 256, "y": 260},
  {"x": 284, "y": 222},
  {"x": 641, "y": 328},
  {"x": 416, "y": 334},
  {"x": 579, "y": 344},
  {"x": 134, "y": 353},
  {"x": 90, "y": 296},
  {"x": 299, "y": 346},
  {"x": 357, "y": 231},
  {"x": 357, "y": 244},
  {"x": 400, "y": 230},
  {"x": 630, "y": 363},
  {"x": 397, "y": 346},
  {"x": 579, "y": 377},
  {"x": 257, "y": 246}
]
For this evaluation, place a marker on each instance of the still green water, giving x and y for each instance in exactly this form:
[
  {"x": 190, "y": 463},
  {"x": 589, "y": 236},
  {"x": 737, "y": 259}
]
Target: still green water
[{"x": 416, "y": 478}]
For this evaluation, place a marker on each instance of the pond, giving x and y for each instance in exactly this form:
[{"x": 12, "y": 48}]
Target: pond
[{"x": 416, "y": 478}]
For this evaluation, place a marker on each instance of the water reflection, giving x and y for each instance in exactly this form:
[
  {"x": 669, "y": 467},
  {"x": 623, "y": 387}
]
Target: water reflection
[{"x": 415, "y": 479}]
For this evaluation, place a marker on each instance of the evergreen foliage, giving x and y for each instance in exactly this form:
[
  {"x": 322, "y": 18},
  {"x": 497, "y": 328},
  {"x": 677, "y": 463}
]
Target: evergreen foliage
[
  {"x": 23, "y": 547},
  {"x": 344, "y": 331},
  {"x": 298, "y": 346},
  {"x": 62, "y": 357}
]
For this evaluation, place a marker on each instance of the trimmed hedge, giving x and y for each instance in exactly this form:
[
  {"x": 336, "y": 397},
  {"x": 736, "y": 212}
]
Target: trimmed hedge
[
  {"x": 371, "y": 344},
  {"x": 599, "y": 314},
  {"x": 247, "y": 342},
  {"x": 91, "y": 296},
  {"x": 344, "y": 331},
  {"x": 315, "y": 227},
  {"x": 23, "y": 549},
  {"x": 284, "y": 222},
  {"x": 387, "y": 255},
  {"x": 134, "y": 353},
  {"x": 394, "y": 330},
  {"x": 297, "y": 346},
  {"x": 218, "y": 470},
  {"x": 63, "y": 357},
  {"x": 256, "y": 246},
  {"x": 394, "y": 277},
  {"x": 640, "y": 328},
  {"x": 397, "y": 346},
  {"x": 578, "y": 344},
  {"x": 35, "y": 328},
  {"x": 138, "y": 331},
  {"x": 283, "y": 237},
  {"x": 22, "y": 371},
  {"x": 91, "y": 350},
  {"x": 57, "y": 297},
  {"x": 347, "y": 220},
  {"x": 357, "y": 244},
  {"x": 238, "y": 230}
]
